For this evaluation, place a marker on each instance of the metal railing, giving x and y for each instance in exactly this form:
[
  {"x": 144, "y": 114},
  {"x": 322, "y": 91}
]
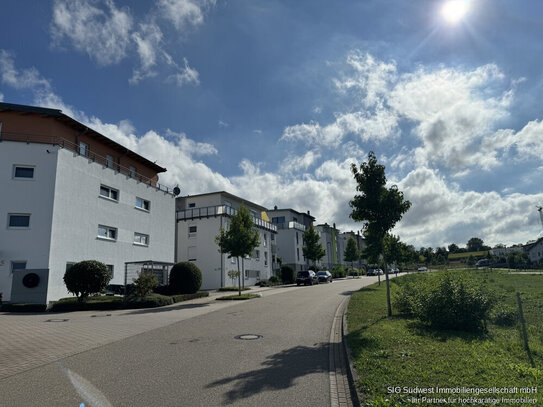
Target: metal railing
[
  {"x": 86, "y": 152},
  {"x": 208, "y": 211}
]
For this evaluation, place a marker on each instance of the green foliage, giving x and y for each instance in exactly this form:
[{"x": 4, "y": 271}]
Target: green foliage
[
  {"x": 87, "y": 277},
  {"x": 351, "y": 252},
  {"x": 95, "y": 303},
  {"x": 274, "y": 280},
  {"x": 185, "y": 278},
  {"x": 504, "y": 316},
  {"x": 475, "y": 244},
  {"x": 186, "y": 297},
  {"x": 450, "y": 301},
  {"x": 22, "y": 307},
  {"x": 149, "y": 301},
  {"x": 312, "y": 248},
  {"x": 144, "y": 284},
  {"x": 338, "y": 271},
  {"x": 287, "y": 274},
  {"x": 230, "y": 288}
]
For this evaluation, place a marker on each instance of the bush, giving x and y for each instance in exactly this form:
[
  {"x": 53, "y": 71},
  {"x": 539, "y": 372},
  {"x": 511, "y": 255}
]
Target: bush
[
  {"x": 185, "y": 278},
  {"x": 338, "y": 271},
  {"x": 87, "y": 277},
  {"x": 232, "y": 288},
  {"x": 23, "y": 307},
  {"x": 144, "y": 284},
  {"x": 504, "y": 316},
  {"x": 448, "y": 301},
  {"x": 274, "y": 280},
  {"x": 186, "y": 297},
  {"x": 287, "y": 274},
  {"x": 104, "y": 303},
  {"x": 150, "y": 301}
]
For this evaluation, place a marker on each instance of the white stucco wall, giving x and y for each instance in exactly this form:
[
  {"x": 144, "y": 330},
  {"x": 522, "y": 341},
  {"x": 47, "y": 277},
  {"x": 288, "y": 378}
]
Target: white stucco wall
[
  {"x": 79, "y": 209},
  {"x": 32, "y": 196}
]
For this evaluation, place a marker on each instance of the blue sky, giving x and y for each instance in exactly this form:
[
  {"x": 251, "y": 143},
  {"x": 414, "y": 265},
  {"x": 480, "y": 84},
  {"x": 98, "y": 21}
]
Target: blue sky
[{"x": 273, "y": 100}]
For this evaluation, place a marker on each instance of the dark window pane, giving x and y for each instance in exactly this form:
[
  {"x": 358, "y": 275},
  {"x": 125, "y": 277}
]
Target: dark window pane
[
  {"x": 24, "y": 172},
  {"x": 20, "y": 221}
]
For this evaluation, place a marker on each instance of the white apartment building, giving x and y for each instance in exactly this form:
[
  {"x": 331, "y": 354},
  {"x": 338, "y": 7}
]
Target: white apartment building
[
  {"x": 71, "y": 194},
  {"x": 291, "y": 226},
  {"x": 199, "y": 219},
  {"x": 342, "y": 244},
  {"x": 329, "y": 241}
]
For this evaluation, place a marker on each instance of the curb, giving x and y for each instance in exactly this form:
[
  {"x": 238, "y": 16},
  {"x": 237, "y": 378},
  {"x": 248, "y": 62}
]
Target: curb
[{"x": 356, "y": 396}]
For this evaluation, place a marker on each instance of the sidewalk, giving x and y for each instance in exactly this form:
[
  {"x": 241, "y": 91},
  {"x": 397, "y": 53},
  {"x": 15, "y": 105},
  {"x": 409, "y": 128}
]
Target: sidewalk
[{"x": 32, "y": 340}]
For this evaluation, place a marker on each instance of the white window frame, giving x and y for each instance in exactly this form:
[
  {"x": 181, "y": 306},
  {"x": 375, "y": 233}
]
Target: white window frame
[
  {"x": 193, "y": 234},
  {"x": 83, "y": 149},
  {"x": 14, "y": 175},
  {"x": 141, "y": 239},
  {"x": 143, "y": 204},
  {"x": 18, "y": 214},
  {"x": 13, "y": 262},
  {"x": 109, "y": 231},
  {"x": 109, "y": 193}
]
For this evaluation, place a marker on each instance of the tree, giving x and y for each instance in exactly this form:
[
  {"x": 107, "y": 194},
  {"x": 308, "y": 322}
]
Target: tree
[
  {"x": 312, "y": 248},
  {"x": 380, "y": 207},
  {"x": 475, "y": 244},
  {"x": 87, "y": 277},
  {"x": 351, "y": 252},
  {"x": 239, "y": 239},
  {"x": 453, "y": 248},
  {"x": 393, "y": 248}
]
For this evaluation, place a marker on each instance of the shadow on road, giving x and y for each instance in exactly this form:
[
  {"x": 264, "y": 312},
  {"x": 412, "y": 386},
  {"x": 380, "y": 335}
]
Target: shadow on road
[
  {"x": 165, "y": 309},
  {"x": 279, "y": 371}
]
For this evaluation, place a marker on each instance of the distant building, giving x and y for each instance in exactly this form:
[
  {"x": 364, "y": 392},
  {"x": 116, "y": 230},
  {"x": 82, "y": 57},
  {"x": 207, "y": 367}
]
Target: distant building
[
  {"x": 329, "y": 241},
  {"x": 535, "y": 250},
  {"x": 69, "y": 194},
  {"x": 291, "y": 225},
  {"x": 342, "y": 244},
  {"x": 199, "y": 219},
  {"x": 503, "y": 250}
]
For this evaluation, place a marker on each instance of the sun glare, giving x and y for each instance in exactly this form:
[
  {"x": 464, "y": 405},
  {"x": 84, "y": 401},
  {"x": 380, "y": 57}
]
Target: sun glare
[{"x": 454, "y": 10}]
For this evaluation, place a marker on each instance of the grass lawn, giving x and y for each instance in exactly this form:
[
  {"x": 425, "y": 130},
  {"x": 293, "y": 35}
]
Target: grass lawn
[
  {"x": 400, "y": 352},
  {"x": 453, "y": 256}
]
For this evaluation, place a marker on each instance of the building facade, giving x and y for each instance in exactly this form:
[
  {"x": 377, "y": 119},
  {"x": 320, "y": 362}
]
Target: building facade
[
  {"x": 199, "y": 219},
  {"x": 291, "y": 226},
  {"x": 330, "y": 243},
  {"x": 72, "y": 194},
  {"x": 342, "y": 244}
]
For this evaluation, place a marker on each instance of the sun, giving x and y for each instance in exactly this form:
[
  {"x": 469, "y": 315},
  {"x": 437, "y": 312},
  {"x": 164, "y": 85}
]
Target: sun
[{"x": 454, "y": 10}]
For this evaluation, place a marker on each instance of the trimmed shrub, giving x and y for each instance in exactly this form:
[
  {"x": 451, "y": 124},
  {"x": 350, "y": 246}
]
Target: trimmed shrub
[
  {"x": 287, "y": 274},
  {"x": 232, "y": 288},
  {"x": 150, "y": 301},
  {"x": 186, "y": 297},
  {"x": 185, "y": 278},
  {"x": 105, "y": 303},
  {"x": 144, "y": 284},
  {"x": 23, "y": 307},
  {"x": 87, "y": 277}
]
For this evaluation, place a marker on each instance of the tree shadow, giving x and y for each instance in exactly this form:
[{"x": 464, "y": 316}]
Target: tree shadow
[
  {"x": 443, "y": 335},
  {"x": 279, "y": 371},
  {"x": 165, "y": 309}
]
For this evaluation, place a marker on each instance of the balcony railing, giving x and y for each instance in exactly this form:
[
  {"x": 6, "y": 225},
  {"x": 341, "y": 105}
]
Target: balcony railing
[
  {"x": 86, "y": 152},
  {"x": 209, "y": 211},
  {"x": 291, "y": 225}
]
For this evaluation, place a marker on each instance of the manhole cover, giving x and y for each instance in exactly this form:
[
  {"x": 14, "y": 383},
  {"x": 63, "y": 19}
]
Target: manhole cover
[
  {"x": 57, "y": 320},
  {"x": 249, "y": 337}
]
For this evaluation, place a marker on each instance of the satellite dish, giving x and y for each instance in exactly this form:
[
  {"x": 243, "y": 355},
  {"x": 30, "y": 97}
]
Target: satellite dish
[{"x": 176, "y": 191}]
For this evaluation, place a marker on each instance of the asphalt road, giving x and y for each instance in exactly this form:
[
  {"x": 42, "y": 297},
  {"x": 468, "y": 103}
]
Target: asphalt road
[{"x": 199, "y": 361}]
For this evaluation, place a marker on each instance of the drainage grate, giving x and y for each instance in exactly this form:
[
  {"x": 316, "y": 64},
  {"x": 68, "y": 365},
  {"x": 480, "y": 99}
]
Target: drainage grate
[
  {"x": 57, "y": 320},
  {"x": 248, "y": 337}
]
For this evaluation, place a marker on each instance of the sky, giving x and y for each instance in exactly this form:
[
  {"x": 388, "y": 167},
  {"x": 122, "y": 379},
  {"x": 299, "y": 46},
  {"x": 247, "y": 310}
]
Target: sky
[{"x": 273, "y": 101}]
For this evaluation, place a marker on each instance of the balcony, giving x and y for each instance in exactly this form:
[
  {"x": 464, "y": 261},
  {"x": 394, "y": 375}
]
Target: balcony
[
  {"x": 88, "y": 153},
  {"x": 219, "y": 210},
  {"x": 291, "y": 225}
]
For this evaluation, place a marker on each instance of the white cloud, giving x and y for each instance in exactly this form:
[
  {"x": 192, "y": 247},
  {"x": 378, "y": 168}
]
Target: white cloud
[
  {"x": 527, "y": 141},
  {"x": 147, "y": 41},
  {"x": 184, "y": 13},
  {"x": 292, "y": 165},
  {"x": 104, "y": 35},
  {"x": 1, "y": 97},
  {"x": 25, "y": 79},
  {"x": 185, "y": 75}
]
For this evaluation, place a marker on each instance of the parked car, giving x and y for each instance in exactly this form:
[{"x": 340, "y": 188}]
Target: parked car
[
  {"x": 482, "y": 263},
  {"x": 324, "y": 276},
  {"x": 394, "y": 270},
  {"x": 374, "y": 272},
  {"x": 422, "y": 269},
  {"x": 308, "y": 277}
]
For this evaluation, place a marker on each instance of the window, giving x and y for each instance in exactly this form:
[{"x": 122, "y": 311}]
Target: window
[
  {"x": 83, "y": 149},
  {"x": 192, "y": 231},
  {"x": 109, "y": 161},
  {"x": 233, "y": 260},
  {"x": 133, "y": 172},
  {"x": 110, "y": 193},
  {"x": 265, "y": 258},
  {"x": 280, "y": 219},
  {"x": 297, "y": 239},
  {"x": 265, "y": 240},
  {"x": 143, "y": 204},
  {"x": 107, "y": 232},
  {"x": 23, "y": 172},
  {"x": 298, "y": 253},
  {"x": 257, "y": 255},
  {"x": 141, "y": 239},
  {"x": 192, "y": 205},
  {"x": 18, "y": 265},
  {"x": 252, "y": 274},
  {"x": 110, "y": 267},
  {"x": 19, "y": 220}
]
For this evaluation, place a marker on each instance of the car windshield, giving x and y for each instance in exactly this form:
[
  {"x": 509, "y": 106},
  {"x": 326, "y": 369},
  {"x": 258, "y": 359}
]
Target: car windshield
[
  {"x": 321, "y": 273},
  {"x": 303, "y": 273}
]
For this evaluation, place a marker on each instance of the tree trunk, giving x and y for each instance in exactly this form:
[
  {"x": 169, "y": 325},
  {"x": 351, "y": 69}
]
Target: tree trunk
[
  {"x": 239, "y": 279},
  {"x": 243, "y": 272},
  {"x": 389, "y": 307}
]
